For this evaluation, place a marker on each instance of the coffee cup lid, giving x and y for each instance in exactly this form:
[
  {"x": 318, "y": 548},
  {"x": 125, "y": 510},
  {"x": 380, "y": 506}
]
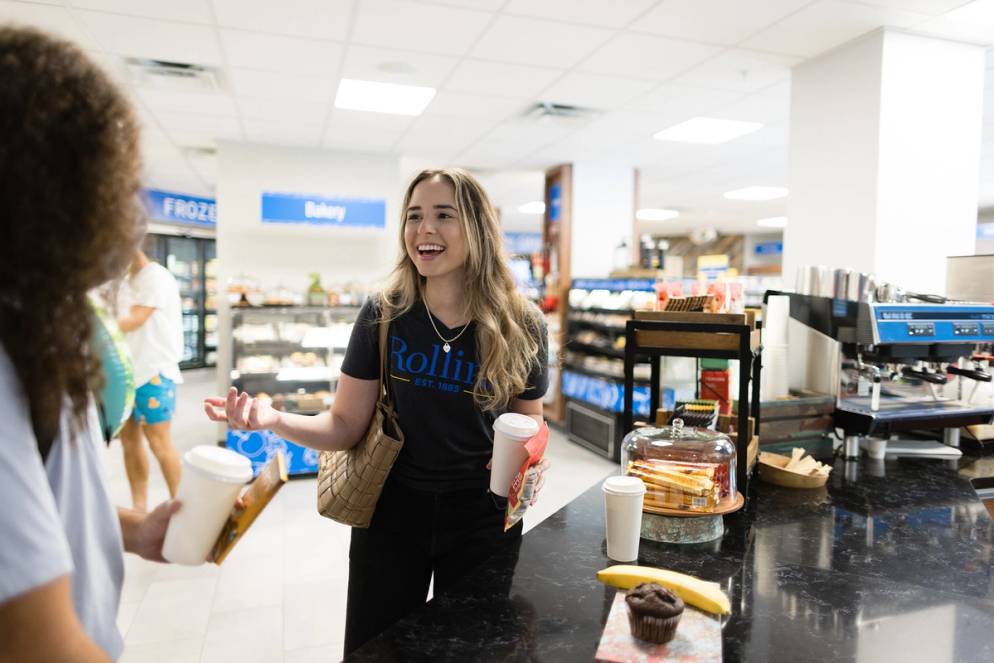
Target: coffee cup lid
[
  {"x": 513, "y": 424},
  {"x": 623, "y": 486},
  {"x": 222, "y": 464}
]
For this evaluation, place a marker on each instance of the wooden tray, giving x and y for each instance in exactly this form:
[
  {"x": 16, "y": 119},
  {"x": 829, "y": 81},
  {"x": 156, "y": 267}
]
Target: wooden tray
[
  {"x": 725, "y": 506},
  {"x": 771, "y": 471}
]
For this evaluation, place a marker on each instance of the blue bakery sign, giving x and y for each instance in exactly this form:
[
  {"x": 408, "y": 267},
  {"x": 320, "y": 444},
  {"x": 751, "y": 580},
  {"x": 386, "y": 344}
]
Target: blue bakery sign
[
  {"x": 294, "y": 208},
  {"x": 180, "y": 208}
]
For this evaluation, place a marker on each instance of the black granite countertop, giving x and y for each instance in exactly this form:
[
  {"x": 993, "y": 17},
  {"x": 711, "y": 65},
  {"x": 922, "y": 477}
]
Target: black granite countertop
[{"x": 891, "y": 561}]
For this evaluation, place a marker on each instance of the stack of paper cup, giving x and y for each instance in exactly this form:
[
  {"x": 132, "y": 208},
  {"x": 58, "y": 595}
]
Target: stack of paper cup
[
  {"x": 775, "y": 373},
  {"x": 623, "y": 497},
  {"x": 212, "y": 478}
]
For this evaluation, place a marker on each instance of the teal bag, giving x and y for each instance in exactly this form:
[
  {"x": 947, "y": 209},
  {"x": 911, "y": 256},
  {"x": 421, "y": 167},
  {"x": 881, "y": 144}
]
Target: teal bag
[{"x": 117, "y": 398}]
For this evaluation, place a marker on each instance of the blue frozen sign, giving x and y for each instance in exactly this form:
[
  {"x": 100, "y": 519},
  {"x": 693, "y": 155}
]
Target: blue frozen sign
[
  {"x": 180, "y": 208},
  {"x": 323, "y": 211}
]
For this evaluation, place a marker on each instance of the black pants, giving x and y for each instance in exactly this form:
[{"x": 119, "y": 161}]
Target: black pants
[{"x": 414, "y": 534}]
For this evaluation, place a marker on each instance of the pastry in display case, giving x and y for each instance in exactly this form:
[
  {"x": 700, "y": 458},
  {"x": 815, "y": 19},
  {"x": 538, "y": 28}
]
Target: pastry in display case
[
  {"x": 683, "y": 468},
  {"x": 289, "y": 357}
]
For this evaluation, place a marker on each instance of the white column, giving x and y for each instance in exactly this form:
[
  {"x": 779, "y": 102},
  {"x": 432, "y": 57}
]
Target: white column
[
  {"x": 602, "y": 213},
  {"x": 884, "y": 158}
]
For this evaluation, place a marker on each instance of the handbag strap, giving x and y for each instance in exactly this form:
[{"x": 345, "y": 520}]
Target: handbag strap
[{"x": 384, "y": 370}]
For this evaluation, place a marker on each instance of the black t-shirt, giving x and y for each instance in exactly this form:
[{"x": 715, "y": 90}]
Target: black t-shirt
[{"x": 448, "y": 439}]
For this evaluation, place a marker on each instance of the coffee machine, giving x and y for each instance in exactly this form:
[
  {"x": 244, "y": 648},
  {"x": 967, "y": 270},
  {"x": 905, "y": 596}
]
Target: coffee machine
[{"x": 893, "y": 366}]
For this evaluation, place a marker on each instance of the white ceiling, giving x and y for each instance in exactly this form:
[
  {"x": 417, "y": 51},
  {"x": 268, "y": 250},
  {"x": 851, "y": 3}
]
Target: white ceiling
[{"x": 643, "y": 64}]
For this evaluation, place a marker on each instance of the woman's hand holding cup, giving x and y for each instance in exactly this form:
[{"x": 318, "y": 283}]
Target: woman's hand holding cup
[{"x": 241, "y": 411}]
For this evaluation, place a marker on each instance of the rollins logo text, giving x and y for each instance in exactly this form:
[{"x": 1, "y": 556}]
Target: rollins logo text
[{"x": 437, "y": 364}]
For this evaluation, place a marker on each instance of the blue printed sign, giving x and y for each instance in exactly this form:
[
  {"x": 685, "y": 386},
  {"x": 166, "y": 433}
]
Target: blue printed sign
[
  {"x": 768, "y": 248},
  {"x": 180, "y": 208},
  {"x": 610, "y": 395},
  {"x": 324, "y": 211},
  {"x": 985, "y": 231},
  {"x": 523, "y": 243},
  {"x": 614, "y": 285},
  {"x": 555, "y": 201}
]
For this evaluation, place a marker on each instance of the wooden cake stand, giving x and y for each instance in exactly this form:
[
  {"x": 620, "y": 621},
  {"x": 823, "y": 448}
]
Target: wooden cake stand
[{"x": 683, "y": 526}]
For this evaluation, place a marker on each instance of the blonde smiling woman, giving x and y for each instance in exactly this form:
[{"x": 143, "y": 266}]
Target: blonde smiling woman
[{"x": 464, "y": 347}]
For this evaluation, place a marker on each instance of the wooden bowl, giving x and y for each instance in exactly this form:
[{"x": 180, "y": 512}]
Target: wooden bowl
[{"x": 771, "y": 470}]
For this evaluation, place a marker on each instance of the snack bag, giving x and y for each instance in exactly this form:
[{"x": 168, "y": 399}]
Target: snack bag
[{"x": 523, "y": 485}]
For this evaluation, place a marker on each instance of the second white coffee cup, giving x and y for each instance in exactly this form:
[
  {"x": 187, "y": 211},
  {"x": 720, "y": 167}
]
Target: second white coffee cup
[
  {"x": 212, "y": 478},
  {"x": 623, "y": 497},
  {"x": 511, "y": 431}
]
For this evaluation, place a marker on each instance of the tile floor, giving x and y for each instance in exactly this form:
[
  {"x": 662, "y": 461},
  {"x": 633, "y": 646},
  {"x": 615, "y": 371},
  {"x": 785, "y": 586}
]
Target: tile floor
[{"x": 280, "y": 596}]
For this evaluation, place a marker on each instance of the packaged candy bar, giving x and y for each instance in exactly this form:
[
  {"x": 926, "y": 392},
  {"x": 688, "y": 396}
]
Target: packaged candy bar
[{"x": 523, "y": 485}]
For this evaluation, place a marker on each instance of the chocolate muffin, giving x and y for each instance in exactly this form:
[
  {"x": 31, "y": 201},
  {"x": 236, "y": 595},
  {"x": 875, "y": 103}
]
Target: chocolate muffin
[{"x": 653, "y": 612}]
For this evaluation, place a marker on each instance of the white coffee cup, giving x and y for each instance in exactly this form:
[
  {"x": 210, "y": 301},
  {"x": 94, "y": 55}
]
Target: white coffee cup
[
  {"x": 511, "y": 431},
  {"x": 212, "y": 478},
  {"x": 623, "y": 498}
]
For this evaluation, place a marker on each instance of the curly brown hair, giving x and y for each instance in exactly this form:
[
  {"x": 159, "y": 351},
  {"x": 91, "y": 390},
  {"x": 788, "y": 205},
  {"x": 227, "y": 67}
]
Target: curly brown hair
[{"x": 69, "y": 214}]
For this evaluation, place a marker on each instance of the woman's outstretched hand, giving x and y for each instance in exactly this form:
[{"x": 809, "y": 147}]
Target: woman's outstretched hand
[{"x": 241, "y": 411}]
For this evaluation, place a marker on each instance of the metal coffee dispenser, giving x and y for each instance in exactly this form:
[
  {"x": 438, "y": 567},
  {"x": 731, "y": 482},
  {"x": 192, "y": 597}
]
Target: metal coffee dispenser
[{"x": 893, "y": 366}]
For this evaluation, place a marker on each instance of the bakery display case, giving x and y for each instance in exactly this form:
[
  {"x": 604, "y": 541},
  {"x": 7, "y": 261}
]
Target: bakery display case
[{"x": 291, "y": 358}]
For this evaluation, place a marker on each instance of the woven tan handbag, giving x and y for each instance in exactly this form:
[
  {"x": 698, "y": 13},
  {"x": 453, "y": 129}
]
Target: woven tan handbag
[{"x": 350, "y": 481}]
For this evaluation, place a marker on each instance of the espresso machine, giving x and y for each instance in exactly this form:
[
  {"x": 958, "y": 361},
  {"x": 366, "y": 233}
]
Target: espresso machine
[{"x": 896, "y": 362}]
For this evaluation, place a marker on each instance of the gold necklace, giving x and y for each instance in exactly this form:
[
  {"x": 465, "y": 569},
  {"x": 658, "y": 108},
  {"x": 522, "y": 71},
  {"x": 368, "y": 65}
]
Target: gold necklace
[{"x": 446, "y": 347}]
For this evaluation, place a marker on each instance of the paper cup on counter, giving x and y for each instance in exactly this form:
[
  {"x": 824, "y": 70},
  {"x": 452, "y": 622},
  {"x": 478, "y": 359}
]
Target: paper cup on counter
[
  {"x": 212, "y": 478},
  {"x": 511, "y": 431},
  {"x": 623, "y": 498}
]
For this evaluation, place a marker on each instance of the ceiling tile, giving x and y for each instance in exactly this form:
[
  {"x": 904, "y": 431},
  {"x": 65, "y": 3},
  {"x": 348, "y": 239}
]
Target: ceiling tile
[
  {"x": 304, "y": 135},
  {"x": 371, "y": 63},
  {"x": 524, "y": 135},
  {"x": 213, "y": 103},
  {"x": 464, "y": 104},
  {"x": 768, "y": 106},
  {"x": 430, "y": 147},
  {"x": 595, "y": 91},
  {"x": 976, "y": 33},
  {"x": 204, "y": 139},
  {"x": 192, "y": 11},
  {"x": 295, "y": 55},
  {"x": 740, "y": 71},
  {"x": 181, "y": 121},
  {"x": 510, "y": 80},
  {"x": 725, "y": 22},
  {"x": 932, "y": 7},
  {"x": 152, "y": 38},
  {"x": 319, "y": 19},
  {"x": 363, "y": 121},
  {"x": 675, "y": 103},
  {"x": 646, "y": 56},
  {"x": 457, "y": 129},
  {"x": 184, "y": 181},
  {"x": 538, "y": 42},
  {"x": 288, "y": 87},
  {"x": 56, "y": 20},
  {"x": 625, "y": 125},
  {"x": 613, "y": 14},
  {"x": 344, "y": 138},
  {"x": 273, "y": 110},
  {"x": 418, "y": 26},
  {"x": 825, "y": 25},
  {"x": 482, "y": 5}
]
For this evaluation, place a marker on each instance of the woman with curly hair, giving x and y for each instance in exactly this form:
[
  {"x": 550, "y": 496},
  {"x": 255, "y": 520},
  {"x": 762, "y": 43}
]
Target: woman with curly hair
[
  {"x": 70, "y": 221},
  {"x": 464, "y": 347}
]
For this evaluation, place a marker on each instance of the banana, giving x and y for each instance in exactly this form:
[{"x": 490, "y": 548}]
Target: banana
[{"x": 699, "y": 593}]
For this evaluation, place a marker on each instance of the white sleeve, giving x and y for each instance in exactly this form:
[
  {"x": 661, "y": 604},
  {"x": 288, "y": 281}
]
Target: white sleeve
[
  {"x": 149, "y": 289},
  {"x": 34, "y": 550}
]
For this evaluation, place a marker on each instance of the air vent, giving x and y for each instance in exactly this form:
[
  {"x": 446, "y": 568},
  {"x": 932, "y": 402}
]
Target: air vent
[
  {"x": 545, "y": 111},
  {"x": 177, "y": 76}
]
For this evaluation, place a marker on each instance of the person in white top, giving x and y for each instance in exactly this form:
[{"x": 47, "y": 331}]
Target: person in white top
[{"x": 153, "y": 327}]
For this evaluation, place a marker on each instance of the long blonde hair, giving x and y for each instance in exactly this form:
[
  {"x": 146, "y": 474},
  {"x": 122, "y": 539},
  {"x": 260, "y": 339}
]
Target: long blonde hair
[{"x": 509, "y": 329}]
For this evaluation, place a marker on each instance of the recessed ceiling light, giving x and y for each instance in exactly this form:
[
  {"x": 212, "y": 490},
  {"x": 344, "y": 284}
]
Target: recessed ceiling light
[
  {"x": 383, "y": 97},
  {"x": 773, "y": 222},
  {"x": 534, "y": 207},
  {"x": 980, "y": 12},
  {"x": 394, "y": 67},
  {"x": 656, "y": 214},
  {"x": 707, "y": 130},
  {"x": 758, "y": 193}
]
